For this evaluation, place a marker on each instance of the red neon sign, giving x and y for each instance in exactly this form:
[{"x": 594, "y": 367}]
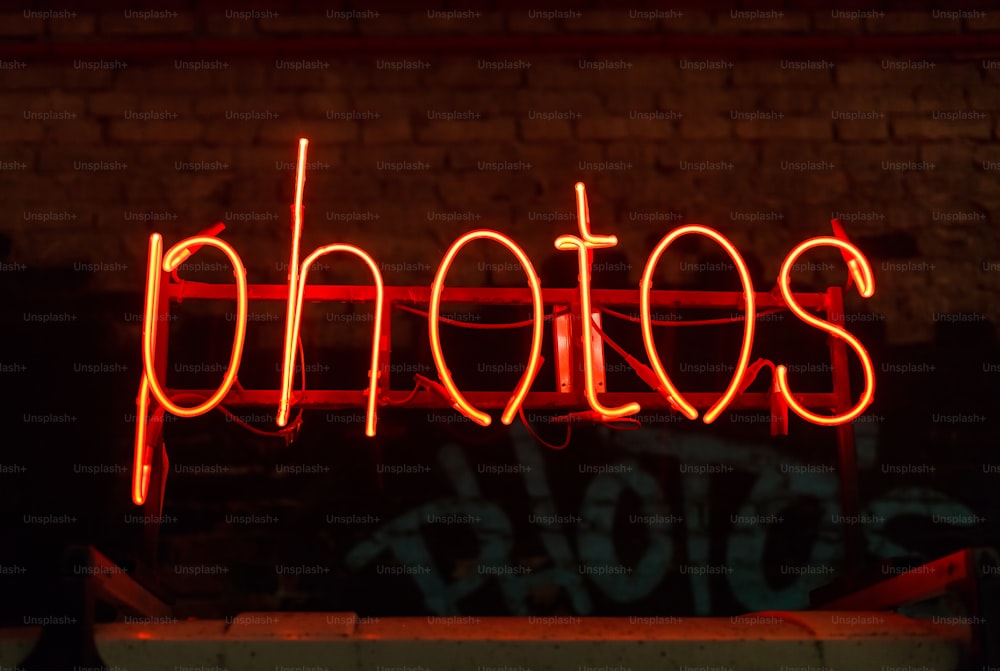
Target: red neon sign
[{"x": 859, "y": 270}]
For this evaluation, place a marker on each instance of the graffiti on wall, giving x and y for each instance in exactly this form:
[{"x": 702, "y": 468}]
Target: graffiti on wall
[{"x": 582, "y": 557}]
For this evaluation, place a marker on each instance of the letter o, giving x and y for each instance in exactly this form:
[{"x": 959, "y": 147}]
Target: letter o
[
  {"x": 534, "y": 360},
  {"x": 674, "y": 396}
]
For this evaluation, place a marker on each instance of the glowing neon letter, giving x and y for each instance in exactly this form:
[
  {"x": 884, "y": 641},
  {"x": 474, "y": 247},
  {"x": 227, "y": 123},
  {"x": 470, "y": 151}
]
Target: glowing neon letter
[
  {"x": 288, "y": 353},
  {"x": 158, "y": 263},
  {"x": 292, "y": 333},
  {"x": 584, "y": 246},
  {"x": 534, "y": 359},
  {"x": 750, "y": 316},
  {"x": 170, "y": 262},
  {"x": 862, "y": 273}
]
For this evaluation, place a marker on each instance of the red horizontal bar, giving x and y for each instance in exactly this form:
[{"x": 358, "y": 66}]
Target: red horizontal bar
[
  {"x": 417, "y": 295},
  {"x": 746, "y": 45},
  {"x": 325, "y": 399},
  {"x": 931, "y": 580}
]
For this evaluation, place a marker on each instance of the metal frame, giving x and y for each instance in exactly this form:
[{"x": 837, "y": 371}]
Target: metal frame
[
  {"x": 87, "y": 578},
  {"x": 570, "y": 395},
  {"x": 571, "y": 398},
  {"x": 971, "y": 575},
  {"x": 124, "y": 593}
]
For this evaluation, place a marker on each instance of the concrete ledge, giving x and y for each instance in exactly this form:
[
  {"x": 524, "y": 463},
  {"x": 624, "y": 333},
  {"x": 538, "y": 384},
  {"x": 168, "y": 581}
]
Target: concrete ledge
[{"x": 828, "y": 640}]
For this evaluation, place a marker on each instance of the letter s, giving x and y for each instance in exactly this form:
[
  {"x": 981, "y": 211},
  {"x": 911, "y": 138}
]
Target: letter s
[{"x": 861, "y": 272}]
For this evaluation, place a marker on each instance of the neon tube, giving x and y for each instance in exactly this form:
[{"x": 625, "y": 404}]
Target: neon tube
[
  {"x": 295, "y": 324},
  {"x": 151, "y": 319},
  {"x": 140, "y": 471},
  {"x": 538, "y": 318},
  {"x": 212, "y": 231},
  {"x": 288, "y": 352},
  {"x": 140, "y": 466},
  {"x": 852, "y": 265},
  {"x": 866, "y": 287},
  {"x": 584, "y": 246},
  {"x": 673, "y": 395}
]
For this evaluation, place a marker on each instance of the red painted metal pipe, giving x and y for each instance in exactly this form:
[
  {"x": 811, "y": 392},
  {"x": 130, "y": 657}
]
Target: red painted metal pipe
[{"x": 952, "y": 45}]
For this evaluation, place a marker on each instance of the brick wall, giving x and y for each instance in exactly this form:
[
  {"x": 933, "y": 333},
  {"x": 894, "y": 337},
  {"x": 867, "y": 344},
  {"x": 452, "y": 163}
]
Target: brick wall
[{"x": 914, "y": 175}]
